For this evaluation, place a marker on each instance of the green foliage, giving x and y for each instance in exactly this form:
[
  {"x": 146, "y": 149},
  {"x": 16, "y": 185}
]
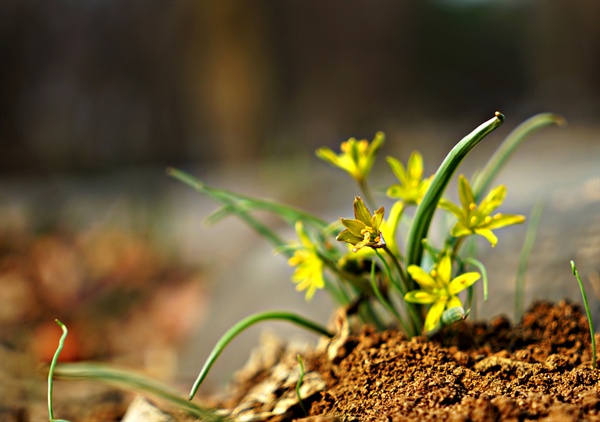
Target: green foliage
[
  {"x": 61, "y": 343},
  {"x": 131, "y": 381},
  {"x": 587, "y": 312},
  {"x": 375, "y": 269}
]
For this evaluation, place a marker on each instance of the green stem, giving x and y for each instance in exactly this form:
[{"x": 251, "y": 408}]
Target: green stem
[
  {"x": 412, "y": 309},
  {"x": 358, "y": 282},
  {"x": 364, "y": 187},
  {"x": 61, "y": 343},
  {"x": 428, "y": 205},
  {"x": 402, "y": 286},
  {"x": 587, "y": 312},
  {"x": 245, "y": 323},
  {"x": 508, "y": 146},
  {"x": 299, "y": 384},
  {"x": 387, "y": 305}
]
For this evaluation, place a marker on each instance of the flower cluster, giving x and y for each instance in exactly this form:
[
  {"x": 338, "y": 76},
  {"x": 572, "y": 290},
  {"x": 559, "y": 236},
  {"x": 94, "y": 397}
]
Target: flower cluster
[{"x": 439, "y": 286}]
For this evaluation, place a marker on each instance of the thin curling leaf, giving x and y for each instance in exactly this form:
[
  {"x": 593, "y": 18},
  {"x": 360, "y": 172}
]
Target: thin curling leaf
[
  {"x": 61, "y": 344},
  {"x": 240, "y": 205},
  {"x": 248, "y": 322},
  {"x": 587, "y": 312},
  {"x": 131, "y": 381},
  {"x": 508, "y": 147},
  {"x": 357, "y": 157},
  {"x": 426, "y": 208}
]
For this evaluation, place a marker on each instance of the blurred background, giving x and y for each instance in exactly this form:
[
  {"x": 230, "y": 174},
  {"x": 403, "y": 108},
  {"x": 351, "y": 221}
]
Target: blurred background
[
  {"x": 100, "y": 96},
  {"x": 97, "y": 85}
]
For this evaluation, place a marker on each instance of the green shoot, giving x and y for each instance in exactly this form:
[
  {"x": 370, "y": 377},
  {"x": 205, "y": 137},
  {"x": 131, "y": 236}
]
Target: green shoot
[
  {"x": 510, "y": 144},
  {"x": 61, "y": 343},
  {"x": 526, "y": 250},
  {"x": 587, "y": 312},
  {"x": 241, "y": 326},
  {"x": 386, "y": 304},
  {"x": 299, "y": 384},
  {"x": 483, "y": 272},
  {"x": 134, "y": 382},
  {"x": 426, "y": 209}
]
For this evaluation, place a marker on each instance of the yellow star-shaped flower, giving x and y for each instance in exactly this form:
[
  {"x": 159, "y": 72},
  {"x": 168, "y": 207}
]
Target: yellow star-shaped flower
[
  {"x": 438, "y": 290},
  {"x": 477, "y": 219}
]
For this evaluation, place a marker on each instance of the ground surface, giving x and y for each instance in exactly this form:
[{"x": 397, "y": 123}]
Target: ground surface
[{"x": 539, "y": 369}]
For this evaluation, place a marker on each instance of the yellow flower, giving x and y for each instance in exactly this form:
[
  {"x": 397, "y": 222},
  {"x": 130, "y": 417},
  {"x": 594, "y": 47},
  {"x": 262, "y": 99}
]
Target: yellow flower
[
  {"x": 412, "y": 187},
  {"x": 437, "y": 289},
  {"x": 364, "y": 229},
  {"x": 357, "y": 157},
  {"x": 477, "y": 219},
  {"x": 308, "y": 274}
]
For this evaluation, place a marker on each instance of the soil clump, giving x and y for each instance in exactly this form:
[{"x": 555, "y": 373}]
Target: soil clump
[{"x": 538, "y": 369}]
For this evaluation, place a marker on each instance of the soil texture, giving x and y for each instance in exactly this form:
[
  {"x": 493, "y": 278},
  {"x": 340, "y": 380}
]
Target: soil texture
[{"x": 539, "y": 369}]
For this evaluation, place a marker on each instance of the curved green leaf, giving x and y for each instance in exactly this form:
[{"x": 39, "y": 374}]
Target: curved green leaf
[
  {"x": 426, "y": 209},
  {"x": 241, "y": 326}
]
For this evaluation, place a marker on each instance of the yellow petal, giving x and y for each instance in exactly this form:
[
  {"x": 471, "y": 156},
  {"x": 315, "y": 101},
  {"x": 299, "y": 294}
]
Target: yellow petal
[
  {"x": 422, "y": 277},
  {"x": 465, "y": 193},
  {"x": 444, "y": 269},
  {"x": 348, "y": 236},
  {"x": 434, "y": 314},
  {"x": 328, "y": 155},
  {"x": 489, "y": 235},
  {"x": 361, "y": 212},
  {"x": 415, "y": 166},
  {"x": 454, "y": 302},
  {"x": 502, "y": 220},
  {"x": 398, "y": 170},
  {"x": 354, "y": 226},
  {"x": 377, "y": 218},
  {"x": 420, "y": 296},
  {"x": 462, "y": 282}
]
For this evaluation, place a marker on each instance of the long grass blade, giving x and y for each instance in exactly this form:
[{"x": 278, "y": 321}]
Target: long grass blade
[
  {"x": 245, "y": 323},
  {"x": 129, "y": 380},
  {"x": 508, "y": 147},
  {"x": 244, "y": 202},
  {"x": 587, "y": 312},
  {"x": 426, "y": 209}
]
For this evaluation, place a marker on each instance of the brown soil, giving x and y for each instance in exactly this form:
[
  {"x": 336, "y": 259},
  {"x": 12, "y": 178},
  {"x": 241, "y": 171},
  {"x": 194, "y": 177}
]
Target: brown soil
[{"x": 539, "y": 369}]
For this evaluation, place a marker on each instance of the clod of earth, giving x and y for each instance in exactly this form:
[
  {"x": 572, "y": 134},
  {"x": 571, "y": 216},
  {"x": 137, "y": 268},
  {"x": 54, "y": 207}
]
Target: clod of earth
[{"x": 539, "y": 369}]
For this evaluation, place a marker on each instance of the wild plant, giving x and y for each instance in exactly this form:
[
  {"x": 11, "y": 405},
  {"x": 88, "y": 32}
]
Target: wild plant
[
  {"x": 366, "y": 261},
  {"x": 418, "y": 285}
]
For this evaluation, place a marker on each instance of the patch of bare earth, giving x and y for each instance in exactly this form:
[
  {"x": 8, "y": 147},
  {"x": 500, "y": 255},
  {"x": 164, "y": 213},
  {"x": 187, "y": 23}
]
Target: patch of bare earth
[{"x": 539, "y": 369}]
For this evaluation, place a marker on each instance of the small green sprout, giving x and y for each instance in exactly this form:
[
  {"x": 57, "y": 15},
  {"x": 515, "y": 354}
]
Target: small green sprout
[
  {"x": 587, "y": 312},
  {"x": 61, "y": 343},
  {"x": 412, "y": 186},
  {"x": 308, "y": 274},
  {"x": 477, "y": 219},
  {"x": 299, "y": 384},
  {"x": 438, "y": 289},
  {"x": 357, "y": 157},
  {"x": 364, "y": 230}
]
